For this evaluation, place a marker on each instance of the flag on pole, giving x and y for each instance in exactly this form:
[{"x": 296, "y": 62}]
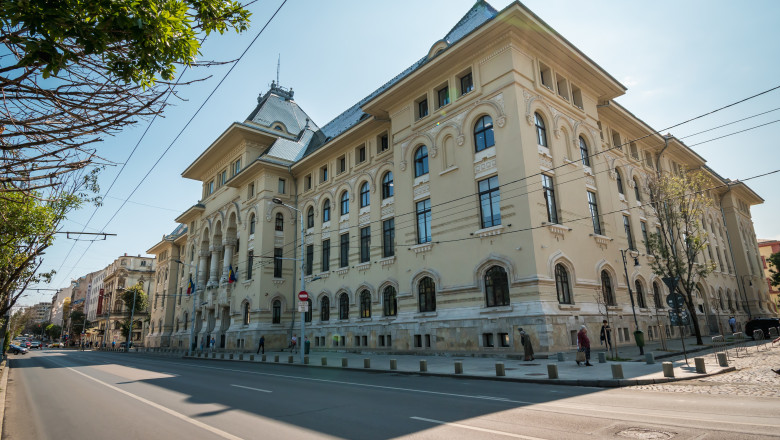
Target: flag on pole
[
  {"x": 190, "y": 286},
  {"x": 231, "y": 275}
]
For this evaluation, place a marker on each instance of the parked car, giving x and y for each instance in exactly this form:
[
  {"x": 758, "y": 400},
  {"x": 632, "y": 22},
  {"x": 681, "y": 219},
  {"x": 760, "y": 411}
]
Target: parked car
[
  {"x": 26, "y": 344},
  {"x": 35, "y": 344},
  {"x": 761, "y": 324},
  {"x": 15, "y": 349},
  {"x": 122, "y": 344}
]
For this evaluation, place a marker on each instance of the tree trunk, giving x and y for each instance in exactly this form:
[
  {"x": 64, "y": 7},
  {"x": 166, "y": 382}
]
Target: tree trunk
[{"x": 692, "y": 312}]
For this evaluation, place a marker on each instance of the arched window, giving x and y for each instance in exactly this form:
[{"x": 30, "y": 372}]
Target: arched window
[
  {"x": 310, "y": 217},
  {"x": 562, "y": 285},
  {"x": 421, "y": 161},
  {"x": 276, "y": 309},
  {"x": 636, "y": 191},
  {"x": 387, "y": 185},
  {"x": 326, "y": 211},
  {"x": 344, "y": 203},
  {"x": 720, "y": 300},
  {"x": 657, "y": 296},
  {"x": 246, "y": 313},
  {"x": 496, "y": 287},
  {"x": 325, "y": 309},
  {"x": 619, "y": 180},
  {"x": 344, "y": 306},
  {"x": 365, "y": 304},
  {"x": 483, "y": 133},
  {"x": 584, "y": 154},
  {"x": 279, "y": 223},
  {"x": 389, "y": 301},
  {"x": 252, "y": 222},
  {"x": 640, "y": 295},
  {"x": 365, "y": 198},
  {"x": 307, "y": 315},
  {"x": 541, "y": 132},
  {"x": 606, "y": 289},
  {"x": 427, "y": 295}
]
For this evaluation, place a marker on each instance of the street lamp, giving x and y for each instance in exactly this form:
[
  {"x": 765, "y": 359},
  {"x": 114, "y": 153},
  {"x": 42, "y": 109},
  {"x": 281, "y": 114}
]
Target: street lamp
[
  {"x": 302, "y": 340},
  {"x": 639, "y": 337},
  {"x": 192, "y": 326}
]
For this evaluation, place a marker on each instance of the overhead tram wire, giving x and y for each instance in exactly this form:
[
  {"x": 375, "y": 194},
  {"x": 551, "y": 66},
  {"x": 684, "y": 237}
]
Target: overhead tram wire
[{"x": 185, "y": 126}]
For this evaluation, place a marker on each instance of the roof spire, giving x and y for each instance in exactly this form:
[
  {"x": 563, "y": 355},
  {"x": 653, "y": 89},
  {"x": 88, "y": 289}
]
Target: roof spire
[{"x": 278, "y": 64}]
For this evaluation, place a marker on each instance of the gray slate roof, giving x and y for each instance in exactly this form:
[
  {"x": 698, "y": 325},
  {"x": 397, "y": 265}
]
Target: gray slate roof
[{"x": 277, "y": 105}]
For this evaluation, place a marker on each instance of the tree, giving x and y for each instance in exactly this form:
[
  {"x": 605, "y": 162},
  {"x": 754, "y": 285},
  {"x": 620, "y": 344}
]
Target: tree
[
  {"x": 141, "y": 302},
  {"x": 603, "y": 307},
  {"x": 53, "y": 331},
  {"x": 78, "y": 322},
  {"x": 679, "y": 202},
  {"x": 76, "y": 70},
  {"x": 27, "y": 228},
  {"x": 774, "y": 265}
]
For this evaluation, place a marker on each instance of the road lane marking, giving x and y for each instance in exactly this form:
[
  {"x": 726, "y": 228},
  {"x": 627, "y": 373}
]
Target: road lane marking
[
  {"x": 164, "y": 409},
  {"x": 474, "y": 428},
  {"x": 249, "y": 388}
]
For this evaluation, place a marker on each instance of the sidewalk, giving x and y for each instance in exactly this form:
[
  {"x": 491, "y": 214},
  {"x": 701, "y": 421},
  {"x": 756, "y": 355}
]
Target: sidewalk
[{"x": 635, "y": 371}]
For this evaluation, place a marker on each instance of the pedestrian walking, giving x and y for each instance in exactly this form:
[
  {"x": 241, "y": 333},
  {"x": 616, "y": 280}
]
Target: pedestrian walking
[
  {"x": 202, "y": 344},
  {"x": 733, "y": 324},
  {"x": 294, "y": 344},
  {"x": 528, "y": 349},
  {"x": 261, "y": 345},
  {"x": 211, "y": 344},
  {"x": 583, "y": 345},
  {"x": 606, "y": 335},
  {"x": 113, "y": 344}
]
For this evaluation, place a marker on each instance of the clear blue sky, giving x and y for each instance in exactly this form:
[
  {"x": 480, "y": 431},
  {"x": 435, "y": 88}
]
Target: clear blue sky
[{"x": 678, "y": 60}]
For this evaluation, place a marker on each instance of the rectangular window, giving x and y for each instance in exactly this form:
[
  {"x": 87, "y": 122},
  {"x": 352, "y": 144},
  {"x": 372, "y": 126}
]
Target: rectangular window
[
  {"x": 466, "y": 83},
  {"x": 309, "y": 259},
  {"x": 250, "y": 260},
  {"x": 277, "y": 262},
  {"x": 444, "y": 96},
  {"x": 629, "y": 235},
  {"x": 222, "y": 177},
  {"x": 344, "y": 250},
  {"x": 365, "y": 244},
  {"x": 282, "y": 186},
  {"x": 422, "y": 108},
  {"x": 384, "y": 143},
  {"x": 324, "y": 174},
  {"x": 489, "y": 202},
  {"x": 210, "y": 188},
  {"x": 418, "y": 341},
  {"x": 487, "y": 340},
  {"x": 424, "y": 221},
  {"x": 503, "y": 339},
  {"x": 250, "y": 192},
  {"x": 643, "y": 225},
  {"x": 342, "y": 164},
  {"x": 236, "y": 167},
  {"x": 361, "y": 154},
  {"x": 307, "y": 182},
  {"x": 325, "y": 255},
  {"x": 594, "y": 212},
  {"x": 388, "y": 238},
  {"x": 549, "y": 198}
]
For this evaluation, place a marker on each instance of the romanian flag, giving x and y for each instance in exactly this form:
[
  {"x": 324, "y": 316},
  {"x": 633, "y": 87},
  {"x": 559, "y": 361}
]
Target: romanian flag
[
  {"x": 190, "y": 286},
  {"x": 231, "y": 275}
]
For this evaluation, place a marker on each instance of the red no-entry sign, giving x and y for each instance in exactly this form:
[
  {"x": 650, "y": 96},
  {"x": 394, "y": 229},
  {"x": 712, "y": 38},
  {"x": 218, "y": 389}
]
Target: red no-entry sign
[{"x": 302, "y": 295}]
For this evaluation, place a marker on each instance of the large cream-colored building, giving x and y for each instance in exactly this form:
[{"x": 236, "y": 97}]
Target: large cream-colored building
[
  {"x": 489, "y": 186},
  {"x": 111, "y": 312}
]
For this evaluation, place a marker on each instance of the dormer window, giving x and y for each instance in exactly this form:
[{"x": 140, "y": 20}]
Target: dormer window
[{"x": 278, "y": 127}]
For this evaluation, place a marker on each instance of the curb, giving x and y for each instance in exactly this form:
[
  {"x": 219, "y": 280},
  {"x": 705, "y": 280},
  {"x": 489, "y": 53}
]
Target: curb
[
  {"x": 3, "y": 387},
  {"x": 599, "y": 383}
]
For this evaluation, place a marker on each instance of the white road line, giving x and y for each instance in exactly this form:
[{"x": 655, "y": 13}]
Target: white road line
[
  {"x": 474, "y": 428},
  {"x": 249, "y": 388},
  {"x": 176, "y": 414}
]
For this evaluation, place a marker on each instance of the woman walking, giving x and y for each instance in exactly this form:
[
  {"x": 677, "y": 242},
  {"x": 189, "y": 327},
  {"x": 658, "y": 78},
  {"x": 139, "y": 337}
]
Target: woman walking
[{"x": 583, "y": 344}]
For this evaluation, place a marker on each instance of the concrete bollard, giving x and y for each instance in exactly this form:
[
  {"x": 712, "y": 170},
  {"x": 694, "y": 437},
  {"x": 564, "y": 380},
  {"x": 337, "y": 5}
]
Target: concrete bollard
[
  {"x": 276, "y": 358},
  {"x": 222, "y": 355},
  {"x": 324, "y": 361},
  {"x": 423, "y": 366},
  {"x": 722, "y": 359},
  {"x": 458, "y": 367},
  {"x": 617, "y": 371},
  {"x": 241, "y": 357},
  {"x": 561, "y": 357},
  {"x": 602, "y": 357},
  {"x": 393, "y": 364},
  {"x": 306, "y": 360},
  {"x": 344, "y": 362},
  {"x": 500, "y": 371},
  {"x": 668, "y": 369},
  {"x": 649, "y": 358},
  {"x": 367, "y": 363},
  {"x": 700, "y": 367},
  {"x": 213, "y": 355},
  {"x": 251, "y": 357},
  {"x": 262, "y": 358},
  {"x": 552, "y": 371},
  {"x": 290, "y": 359}
]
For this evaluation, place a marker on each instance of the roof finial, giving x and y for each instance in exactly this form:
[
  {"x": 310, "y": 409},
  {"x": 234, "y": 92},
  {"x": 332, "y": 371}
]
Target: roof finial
[{"x": 278, "y": 63}]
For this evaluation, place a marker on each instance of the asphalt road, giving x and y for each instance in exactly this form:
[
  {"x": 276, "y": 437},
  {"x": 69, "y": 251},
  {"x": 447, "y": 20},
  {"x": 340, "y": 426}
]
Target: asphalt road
[{"x": 58, "y": 394}]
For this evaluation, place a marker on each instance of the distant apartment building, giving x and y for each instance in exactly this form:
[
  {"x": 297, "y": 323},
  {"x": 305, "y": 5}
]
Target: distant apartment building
[
  {"x": 766, "y": 248},
  {"x": 42, "y": 312}
]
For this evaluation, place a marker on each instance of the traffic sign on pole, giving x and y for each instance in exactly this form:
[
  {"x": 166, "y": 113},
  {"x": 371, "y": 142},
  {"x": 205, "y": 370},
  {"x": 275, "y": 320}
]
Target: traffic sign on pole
[
  {"x": 303, "y": 295},
  {"x": 303, "y": 306}
]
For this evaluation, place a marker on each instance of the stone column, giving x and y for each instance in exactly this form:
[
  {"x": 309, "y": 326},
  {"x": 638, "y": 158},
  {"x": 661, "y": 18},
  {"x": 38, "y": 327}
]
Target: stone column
[
  {"x": 213, "y": 270},
  {"x": 228, "y": 258},
  {"x": 203, "y": 258}
]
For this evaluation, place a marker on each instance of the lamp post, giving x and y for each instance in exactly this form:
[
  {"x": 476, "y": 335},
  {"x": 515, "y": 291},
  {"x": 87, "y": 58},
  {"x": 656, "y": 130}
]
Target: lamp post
[
  {"x": 192, "y": 326},
  {"x": 302, "y": 340},
  {"x": 639, "y": 337}
]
